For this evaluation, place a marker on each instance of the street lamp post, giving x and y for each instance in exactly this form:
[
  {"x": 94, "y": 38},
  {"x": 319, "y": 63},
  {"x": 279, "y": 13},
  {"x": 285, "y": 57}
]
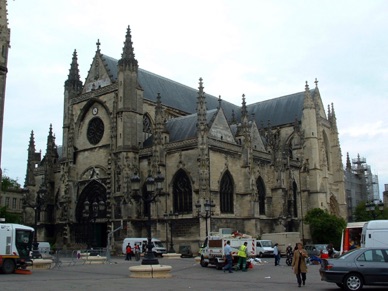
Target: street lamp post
[
  {"x": 154, "y": 188},
  {"x": 370, "y": 207},
  {"x": 37, "y": 206},
  {"x": 169, "y": 219},
  {"x": 208, "y": 211}
]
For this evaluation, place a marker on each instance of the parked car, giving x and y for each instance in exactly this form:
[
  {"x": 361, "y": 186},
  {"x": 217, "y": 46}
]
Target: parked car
[{"x": 356, "y": 268}]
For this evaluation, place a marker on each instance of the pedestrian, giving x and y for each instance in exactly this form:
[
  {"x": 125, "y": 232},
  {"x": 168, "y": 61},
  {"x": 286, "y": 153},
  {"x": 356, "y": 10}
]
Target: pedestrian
[
  {"x": 137, "y": 252},
  {"x": 128, "y": 251},
  {"x": 299, "y": 264},
  {"x": 330, "y": 250},
  {"x": 276, "y": 254},
  {"x": 228, "y": 257},
  {"x": 242, "y": 256}
]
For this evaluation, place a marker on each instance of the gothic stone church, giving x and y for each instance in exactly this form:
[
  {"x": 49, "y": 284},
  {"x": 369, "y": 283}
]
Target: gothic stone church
[{"x": 261, "y": 166}]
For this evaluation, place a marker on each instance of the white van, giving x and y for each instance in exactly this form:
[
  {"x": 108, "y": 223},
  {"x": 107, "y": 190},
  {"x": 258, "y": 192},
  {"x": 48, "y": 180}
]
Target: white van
[
  {"x": 264, "y": 248},
  {"x": 375, "y": 234},
  {"x": 44, "y": 248},
  {"x": 157, "y": 246}
]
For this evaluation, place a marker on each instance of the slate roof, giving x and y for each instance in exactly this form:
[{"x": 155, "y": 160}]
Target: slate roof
[
  {"x": 185, "y": 127},
  {"x": 173, "y": 94},
  {"x": 281, "y": 110}
]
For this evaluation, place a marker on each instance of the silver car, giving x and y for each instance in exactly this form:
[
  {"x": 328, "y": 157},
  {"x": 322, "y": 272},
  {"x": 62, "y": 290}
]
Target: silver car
[{"x": 356, "y": 268}]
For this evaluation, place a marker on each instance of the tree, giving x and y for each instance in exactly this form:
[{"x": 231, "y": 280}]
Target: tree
[
  {"x": 9, "y": 217},
  {"x": 360, "y": 213},
  {"x": 325, "y": 227},
  {"x": 7, "y": 183}
]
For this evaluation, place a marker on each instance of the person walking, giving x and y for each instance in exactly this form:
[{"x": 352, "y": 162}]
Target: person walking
[
  {"x": 276, "y": 254},
  {"x": 299, "y": 264},
  {"x": 137, "y": 252},
  {"x": 242, "y": 256},
  {"x": 128, "y": 252},
  {"x": 228, "y": 257}
]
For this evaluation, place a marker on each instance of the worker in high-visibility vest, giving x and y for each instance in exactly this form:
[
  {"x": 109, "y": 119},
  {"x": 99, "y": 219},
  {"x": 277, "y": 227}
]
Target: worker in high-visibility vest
[{"x": 242, "y": 257}]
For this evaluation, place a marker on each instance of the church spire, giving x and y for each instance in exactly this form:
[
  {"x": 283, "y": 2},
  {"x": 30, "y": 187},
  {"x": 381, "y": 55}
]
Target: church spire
[
  {"x": 73, "y": 81},
  {"x": 128, "y": 55},
  {"x": 32, "y": 159},
  {"x": 333, "y": 119},
  {"x": 201, "y": 105},
  {"x": 348, "y": 165},
  {"x": 308, "y": 101}
]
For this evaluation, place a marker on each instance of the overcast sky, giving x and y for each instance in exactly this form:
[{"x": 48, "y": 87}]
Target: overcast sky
[{"x": 263, "y": 49}]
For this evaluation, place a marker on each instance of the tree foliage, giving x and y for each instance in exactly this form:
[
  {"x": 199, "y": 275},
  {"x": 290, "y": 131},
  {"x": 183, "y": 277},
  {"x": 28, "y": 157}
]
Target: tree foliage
[
  {"x": 9, "y": 217},
  {"x": 325, "y": 227},
  {"x": 360, "y": 213},
  {"x": 7, "y": 183}
]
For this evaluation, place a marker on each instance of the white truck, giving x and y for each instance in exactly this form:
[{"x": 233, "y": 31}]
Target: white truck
[
  {"x": 375, "y": 234},
  {"x": 282, "y": 239},
  {"x": 157, "y": 246},
  {"x": 15, "y": 247},
  {"x": 212, "y": 250}
]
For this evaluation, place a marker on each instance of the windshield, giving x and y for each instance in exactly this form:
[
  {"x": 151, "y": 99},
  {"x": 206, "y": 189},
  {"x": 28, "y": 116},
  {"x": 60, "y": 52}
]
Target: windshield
[
  {"x": 158, "y": 244},
  {"x": 23, "y": 242},
  {"x": 266, "y": 243}
]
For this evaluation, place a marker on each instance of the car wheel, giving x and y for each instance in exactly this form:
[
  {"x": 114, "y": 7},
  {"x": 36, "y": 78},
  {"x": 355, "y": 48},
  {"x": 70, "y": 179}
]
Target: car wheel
[
  {"x": 203, "y": 263},
  {"x": 340, "y": 285},
  {"x": 8, "y": 267},
  {"x": 260, "y": 255},
  {"x": 353, "y": 282}
]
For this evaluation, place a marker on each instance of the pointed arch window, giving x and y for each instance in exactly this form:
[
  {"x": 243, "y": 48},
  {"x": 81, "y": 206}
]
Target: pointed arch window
[
  {"x": 262, "y": 195},
  {"x": 326, "y": 149},
  {"x": 294, "y": 197},
  {"x": 226, "y": 193},
  {"x": 182, "y": 193},
  {"x": 147, "y": 127}
]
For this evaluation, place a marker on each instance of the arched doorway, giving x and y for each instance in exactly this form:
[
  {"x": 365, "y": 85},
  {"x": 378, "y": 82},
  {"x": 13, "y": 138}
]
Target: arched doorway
[{"x": 91, "y": 216}]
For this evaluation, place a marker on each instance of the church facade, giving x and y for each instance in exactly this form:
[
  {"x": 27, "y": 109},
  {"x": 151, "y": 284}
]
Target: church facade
[{"x": 259, "y": 167}]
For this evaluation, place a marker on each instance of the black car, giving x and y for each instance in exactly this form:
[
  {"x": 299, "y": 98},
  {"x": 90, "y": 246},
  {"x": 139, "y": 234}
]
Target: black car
[{"x": 352, "y": 270}]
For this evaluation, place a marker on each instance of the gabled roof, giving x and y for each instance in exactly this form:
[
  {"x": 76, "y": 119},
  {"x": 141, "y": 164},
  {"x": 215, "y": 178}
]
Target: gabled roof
[
  {"x": 173, "y": 94},
  {"x": 281, "y": 110},
  {"x": 185, "y": 127}
]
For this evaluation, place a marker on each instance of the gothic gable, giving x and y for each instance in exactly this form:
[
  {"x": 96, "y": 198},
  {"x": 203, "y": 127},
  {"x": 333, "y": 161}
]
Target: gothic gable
[
  {"x": 99, "y": 74},
  {"x": 219, "y": 128},
  {"x": 257, "y": 141}
]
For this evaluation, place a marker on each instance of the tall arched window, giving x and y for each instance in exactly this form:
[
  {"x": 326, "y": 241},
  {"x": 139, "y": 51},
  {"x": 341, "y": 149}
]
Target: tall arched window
[
  {"x": 226, "y": 193},
  {"x": 147, "y": 127},
  {"x": 261, "y": 191},
  {"x": 327, "y": 147},
  {"x": 182, "y": 193},
  {"x": 295, "y": 197}
]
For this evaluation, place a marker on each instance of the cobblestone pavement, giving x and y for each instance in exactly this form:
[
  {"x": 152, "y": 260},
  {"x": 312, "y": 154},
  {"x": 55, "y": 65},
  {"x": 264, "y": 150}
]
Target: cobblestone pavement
[{"x": 187, "y": 274}]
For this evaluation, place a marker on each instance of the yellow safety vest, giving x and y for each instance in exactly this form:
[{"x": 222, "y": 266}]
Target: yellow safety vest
[{"x": 242, "y": 251}]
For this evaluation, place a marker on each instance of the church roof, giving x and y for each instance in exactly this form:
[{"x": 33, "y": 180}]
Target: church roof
[
  {"x": 185, "y": 127},
  {"x": 173, "y": 94},
  {"x": 279, "y": 111}
]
